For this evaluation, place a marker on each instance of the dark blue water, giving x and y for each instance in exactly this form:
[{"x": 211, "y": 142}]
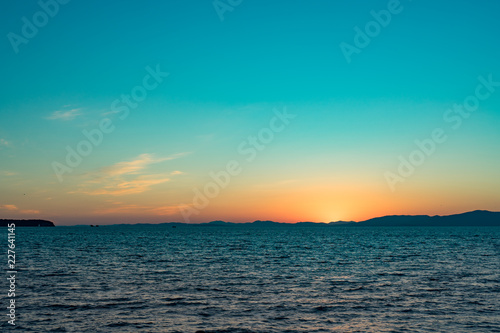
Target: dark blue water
[{"x": 247, "y": 279}]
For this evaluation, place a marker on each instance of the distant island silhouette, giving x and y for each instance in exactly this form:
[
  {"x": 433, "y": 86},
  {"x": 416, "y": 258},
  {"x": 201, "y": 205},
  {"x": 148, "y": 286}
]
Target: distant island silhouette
[
  {"x": 477, "y": 218},
  {"x": 474, "y": 218},
  {"x": 27, "y": 223}
]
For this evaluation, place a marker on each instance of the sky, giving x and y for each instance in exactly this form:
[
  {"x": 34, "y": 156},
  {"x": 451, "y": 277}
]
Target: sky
[{"x": 235, "y": 110}]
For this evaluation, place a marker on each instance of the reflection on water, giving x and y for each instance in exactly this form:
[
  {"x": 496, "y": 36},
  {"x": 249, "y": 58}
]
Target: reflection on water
[{"x": 245, "y": 279}]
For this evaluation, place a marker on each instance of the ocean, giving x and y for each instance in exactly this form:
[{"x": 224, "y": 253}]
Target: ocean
[{"x": 256, "y": 279}]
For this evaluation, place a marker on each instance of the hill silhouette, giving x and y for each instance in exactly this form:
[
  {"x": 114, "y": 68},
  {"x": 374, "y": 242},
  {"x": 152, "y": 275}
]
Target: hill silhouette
[
  {"x": 27, "y": 223},
  {"x": 477, "y": 218},
  {"x": 474, "y": 218}
]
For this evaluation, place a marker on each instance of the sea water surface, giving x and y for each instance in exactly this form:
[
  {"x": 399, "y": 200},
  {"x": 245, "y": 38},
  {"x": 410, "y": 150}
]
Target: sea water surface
[{"x": 257, "y": 279}]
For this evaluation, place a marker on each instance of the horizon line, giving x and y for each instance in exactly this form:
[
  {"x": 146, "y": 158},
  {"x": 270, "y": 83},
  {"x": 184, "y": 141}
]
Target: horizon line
[{"x": 250, "y": 222}]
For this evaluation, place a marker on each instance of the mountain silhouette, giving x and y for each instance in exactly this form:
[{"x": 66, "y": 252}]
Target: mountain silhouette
[
  {"x": 475, "y": 218},
  {"x": 27, "y": 223}
]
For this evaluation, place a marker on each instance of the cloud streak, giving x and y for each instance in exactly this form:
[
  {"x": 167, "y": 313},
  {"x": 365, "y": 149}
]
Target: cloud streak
[
  {"x": 121, "y": 208},
  {"x": 4, "y": 143},
  {"x": 14, "y": 208},
  {"x": 6, "y": 173},
  {"x": 127, "y": 177},
  {"x": 65, "y": 115},
  {"x": 137, "y": 165},
  {"x": 9, "y": 207}
]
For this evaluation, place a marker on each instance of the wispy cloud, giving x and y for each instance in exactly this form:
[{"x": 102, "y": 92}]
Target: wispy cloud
[
  {"x": 121, "y": 187},
  {"x": 168, "y": 210},
  {"x": 14, "y": 208},
  {"x": 127, "y": 177},
  {"x": 121, "y": 208},
  {"x": 9, "y": 207},
  {"x": 29, "y": 211},
  {"x": 137, "y": 165},
  {"x": 65, "y": 115},
  {"x": 5, "y": 143},
  {"x": 6, "y": 173}
]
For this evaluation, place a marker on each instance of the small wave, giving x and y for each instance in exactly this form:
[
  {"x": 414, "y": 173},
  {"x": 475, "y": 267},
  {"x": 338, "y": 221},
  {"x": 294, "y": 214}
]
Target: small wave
[
  {"x": 227, "y": 330},
  {"x": 322, "y": 308},
  {"x": 120, "y": 324}
]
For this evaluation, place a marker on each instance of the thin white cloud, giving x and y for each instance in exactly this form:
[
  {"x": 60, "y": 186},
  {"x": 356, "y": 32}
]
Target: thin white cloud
[
  {"x": 131, "y": 167},
  {"x": 6, "y": 173},
  {"x": 137, "y": 165},
  {"x": 65, "y": 115},
  {"x": 117, "y": 186},
  {"x": 167, "y": 210},
  {"x": 127, "y": 177},
  {"x": 30, "y": 211},
  {"x": 9, "y": 207},
  {"x": 120, "y": 208},
  {"x": 123, "y": 209},
  {"x": 14, "y": 208},
  {"x": 5, "y": 143}
]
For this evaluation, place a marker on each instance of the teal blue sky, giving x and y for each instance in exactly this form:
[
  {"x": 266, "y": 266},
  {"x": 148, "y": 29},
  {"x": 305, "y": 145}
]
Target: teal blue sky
[{"x": 353, "y": 119}]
